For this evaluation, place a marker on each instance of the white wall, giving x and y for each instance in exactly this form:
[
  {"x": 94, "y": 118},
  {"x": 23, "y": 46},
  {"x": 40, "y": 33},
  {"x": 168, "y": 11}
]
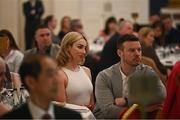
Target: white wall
[
  {"x": 92, "y": 13},
  {"x": 12, "y": 18},
  {"x": 8, "y": 16}
]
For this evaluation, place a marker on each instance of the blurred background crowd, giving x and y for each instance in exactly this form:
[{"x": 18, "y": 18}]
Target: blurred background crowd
[{"x": 49, "y": 27}]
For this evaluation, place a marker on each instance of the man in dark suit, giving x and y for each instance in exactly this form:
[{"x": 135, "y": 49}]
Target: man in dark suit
[
  {"x": 33, "y": 10},
  {"x": 172, "y": 35},
  {"x": 39, "y": 75},
  {"x": 109, "y": 53}
]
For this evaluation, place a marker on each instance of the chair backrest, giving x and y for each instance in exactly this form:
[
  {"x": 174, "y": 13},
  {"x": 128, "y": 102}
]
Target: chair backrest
[
  {"x": 130, "y": 111},
  {"x": 136, "y": 112},
  {"x": 150, "y": 62}
]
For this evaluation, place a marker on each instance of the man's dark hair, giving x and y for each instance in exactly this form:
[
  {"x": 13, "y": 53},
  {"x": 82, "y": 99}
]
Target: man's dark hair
[
  {"x": 41, "y": 26},
  {"x": 31, "y": 66},
  {"x": 126, "y": 38},
  {"x": 48, "y": 19},
  {"x": 158, "y": 24}
]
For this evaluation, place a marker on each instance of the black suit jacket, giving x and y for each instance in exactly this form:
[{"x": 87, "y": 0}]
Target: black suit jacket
[
  {"x": 32, "y": 20},
  {"x": 109, "y": 53},
  {"x": 39, "y": 10},
  {"x": 23, "y": 113},
  {"x": 172, "y": 37}
]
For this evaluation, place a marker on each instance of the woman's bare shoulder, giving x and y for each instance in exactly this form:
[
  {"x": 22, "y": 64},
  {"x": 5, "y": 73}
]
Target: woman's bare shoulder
[
  {"x": 61, "y": 75},
  {"x": 87, "y": 71}
]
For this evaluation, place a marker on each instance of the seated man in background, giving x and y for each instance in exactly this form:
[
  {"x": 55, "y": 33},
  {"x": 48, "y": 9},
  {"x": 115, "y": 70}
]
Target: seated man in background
[
  {"x": 172, "y": 35},
  {"x": 38, "y": 74},
  {"x": 11, "y": 91},
  {"x": 2, "y": 73},
  {"x": 43, "y": 43},
  {"x": 3, "y": 108},
  {"x": 111, "y": 88},
  {"x": 109, "y": 55},
  {"x": 10, "y": 80}
]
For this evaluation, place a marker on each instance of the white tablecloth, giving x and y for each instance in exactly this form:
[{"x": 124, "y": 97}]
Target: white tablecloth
[
  {"x": 166, "y": 57},
  {"x": 170, "y": 60},
  {"x": 84, "y": 111},
  {"x": 94, "y": 48}
]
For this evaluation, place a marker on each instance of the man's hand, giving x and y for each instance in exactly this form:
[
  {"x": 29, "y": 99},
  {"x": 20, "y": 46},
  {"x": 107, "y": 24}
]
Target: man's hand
[{"x": 120, "y": 101}]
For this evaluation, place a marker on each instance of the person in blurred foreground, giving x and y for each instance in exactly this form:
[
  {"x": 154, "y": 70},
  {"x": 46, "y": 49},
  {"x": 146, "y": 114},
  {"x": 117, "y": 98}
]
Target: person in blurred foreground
[{"x": 38, "y": 74}]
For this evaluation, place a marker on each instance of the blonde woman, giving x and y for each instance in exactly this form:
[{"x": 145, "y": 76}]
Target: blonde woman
[
  {"x": 75, "y": 85},
  {"x": 146, "y": 35}
]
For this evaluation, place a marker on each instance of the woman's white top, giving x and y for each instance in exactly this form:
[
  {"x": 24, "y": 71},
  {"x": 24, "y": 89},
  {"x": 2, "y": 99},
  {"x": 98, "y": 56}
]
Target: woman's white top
[
  {"x": 13, "y": 60},
  {"x": 79, "y": 87}
]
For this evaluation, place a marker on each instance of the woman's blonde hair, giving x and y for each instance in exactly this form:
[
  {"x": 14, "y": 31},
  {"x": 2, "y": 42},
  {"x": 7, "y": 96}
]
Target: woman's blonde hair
[
  {"x": 143, "y": 32},
  {"x": 67, "y": 42}
]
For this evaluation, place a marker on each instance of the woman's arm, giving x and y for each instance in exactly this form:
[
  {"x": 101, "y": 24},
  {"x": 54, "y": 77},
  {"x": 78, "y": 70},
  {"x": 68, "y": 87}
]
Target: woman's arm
[
  {"x": 91, "y": 103},
  {"x": 62, "y": 83}
]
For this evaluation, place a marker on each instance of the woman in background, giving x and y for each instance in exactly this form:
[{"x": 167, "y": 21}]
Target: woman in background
[
  {"x": 65, "y": 27},
  {"x": 146, "y": 35},
  {"x": 159, "y": 37},
  {"x": 51, "y": 22},
  {"x": 75, "y": 85},
  {"x": 110, "y": 29},
  {"x": 12, "y": 55}
]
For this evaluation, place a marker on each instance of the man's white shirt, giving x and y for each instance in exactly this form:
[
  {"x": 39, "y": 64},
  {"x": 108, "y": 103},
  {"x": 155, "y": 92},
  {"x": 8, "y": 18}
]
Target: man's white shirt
[
  {"x": 125, "y": 78},
  {"x": 38, "y": 112}
]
